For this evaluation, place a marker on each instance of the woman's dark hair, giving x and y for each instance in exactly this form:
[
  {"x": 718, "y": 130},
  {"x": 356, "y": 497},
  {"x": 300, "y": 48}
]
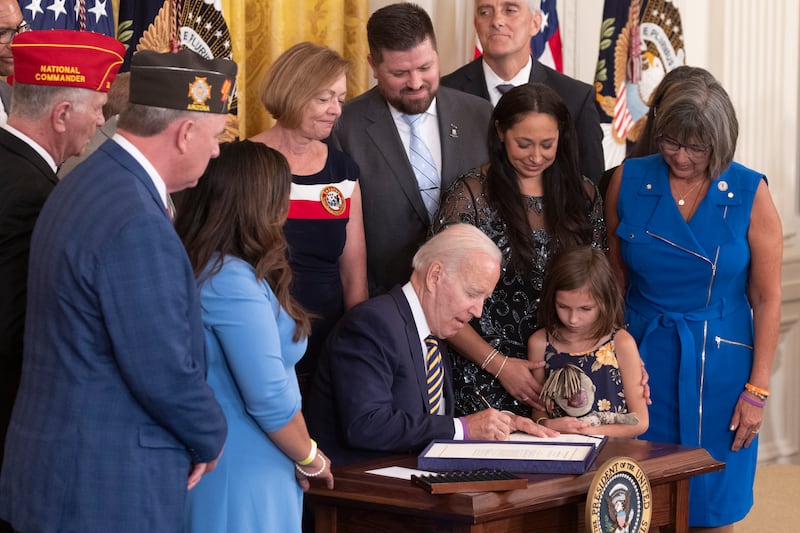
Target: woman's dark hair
[
  {"x": 238, "y": 209},
  {"x": 566, "y": 203}
]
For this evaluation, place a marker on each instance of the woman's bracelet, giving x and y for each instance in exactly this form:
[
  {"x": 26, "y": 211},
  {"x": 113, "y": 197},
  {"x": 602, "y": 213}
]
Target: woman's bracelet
[
  {"x": 539, "y": 420},
  {"x": 314, "y": 474},
  {"x": 502, "y": 366},
  {"x": 488, "y": 359},
  {"x": 311, "y": 455},
  {"x": 756, "y": 391},
  {"x": 755, "y": 395},
  {"x": 751, "y": 400}
]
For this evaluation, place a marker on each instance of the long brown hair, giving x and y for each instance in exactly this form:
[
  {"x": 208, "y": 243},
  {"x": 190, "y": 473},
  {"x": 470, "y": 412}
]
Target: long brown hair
[
  {"x": 238, "y": 209},
  {"x": 575, "y": 268}
]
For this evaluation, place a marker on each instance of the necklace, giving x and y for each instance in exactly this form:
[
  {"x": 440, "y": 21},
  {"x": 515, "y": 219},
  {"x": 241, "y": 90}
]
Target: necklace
[{"x": 682, "y": 197}]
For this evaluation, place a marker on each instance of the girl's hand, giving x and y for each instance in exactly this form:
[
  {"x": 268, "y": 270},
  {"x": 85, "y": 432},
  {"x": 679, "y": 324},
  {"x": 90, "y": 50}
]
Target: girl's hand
[{"x": 567, "y": 424}]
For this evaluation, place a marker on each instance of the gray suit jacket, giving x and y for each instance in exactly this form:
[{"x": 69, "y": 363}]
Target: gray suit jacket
[
  {"x": 395, "y": 219},
  {"x": 578, "y": 96}
]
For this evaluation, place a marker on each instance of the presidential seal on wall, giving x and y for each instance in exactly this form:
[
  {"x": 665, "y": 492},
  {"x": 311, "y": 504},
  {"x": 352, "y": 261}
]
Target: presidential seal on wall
[{"x": 619, "y": 498}]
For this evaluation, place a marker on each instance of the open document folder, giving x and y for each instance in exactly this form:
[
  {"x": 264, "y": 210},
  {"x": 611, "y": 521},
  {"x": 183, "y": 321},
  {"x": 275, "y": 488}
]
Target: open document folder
[{"x": 565, "y": 454}]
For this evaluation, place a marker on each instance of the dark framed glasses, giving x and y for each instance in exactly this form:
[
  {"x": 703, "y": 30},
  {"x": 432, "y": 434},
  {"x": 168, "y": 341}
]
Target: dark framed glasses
[{"x": 7, "y": 34}]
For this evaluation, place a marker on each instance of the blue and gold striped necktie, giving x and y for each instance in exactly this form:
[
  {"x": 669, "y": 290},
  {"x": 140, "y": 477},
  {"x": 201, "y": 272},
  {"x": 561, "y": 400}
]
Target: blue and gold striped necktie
[{"x": 434, "y": 374}]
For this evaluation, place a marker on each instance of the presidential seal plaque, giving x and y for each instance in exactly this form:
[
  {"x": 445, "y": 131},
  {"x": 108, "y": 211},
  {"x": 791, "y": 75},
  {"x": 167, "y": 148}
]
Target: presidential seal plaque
[{"x": 619, "y": 498}]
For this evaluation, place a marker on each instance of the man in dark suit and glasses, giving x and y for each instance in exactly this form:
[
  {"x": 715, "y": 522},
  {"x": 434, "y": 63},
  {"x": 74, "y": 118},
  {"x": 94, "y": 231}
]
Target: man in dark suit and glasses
[
  {"x": 11, "y": 23},
  {"x": 394, "y": 130},
  {"x": 505, "y": 28}
]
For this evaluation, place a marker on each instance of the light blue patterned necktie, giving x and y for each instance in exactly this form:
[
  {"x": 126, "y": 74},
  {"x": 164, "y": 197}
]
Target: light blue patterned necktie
[{"x": 425, "y": 171}]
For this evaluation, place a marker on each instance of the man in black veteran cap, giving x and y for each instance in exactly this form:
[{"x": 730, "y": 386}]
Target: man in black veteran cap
[{"x": 114, "y": 420}]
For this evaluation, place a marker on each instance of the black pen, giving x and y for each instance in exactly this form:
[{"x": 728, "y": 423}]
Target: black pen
[{"x": 478, "y": 394}]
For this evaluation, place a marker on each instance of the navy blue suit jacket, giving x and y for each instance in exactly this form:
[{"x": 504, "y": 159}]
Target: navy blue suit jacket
[
  {"x": 369, "y": 396},
  {"x": 113, "y": 406},
  {"x": 578, "y": 96}
]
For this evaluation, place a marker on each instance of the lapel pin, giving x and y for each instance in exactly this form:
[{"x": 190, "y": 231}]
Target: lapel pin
[
  {"x": 722, "y": 186},
  {"x": 453, "y": 131}
]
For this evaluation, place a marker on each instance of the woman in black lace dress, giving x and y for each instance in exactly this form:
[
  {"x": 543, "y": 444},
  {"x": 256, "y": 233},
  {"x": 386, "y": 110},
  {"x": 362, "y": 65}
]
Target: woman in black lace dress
[{"x": 531, "y": 200}]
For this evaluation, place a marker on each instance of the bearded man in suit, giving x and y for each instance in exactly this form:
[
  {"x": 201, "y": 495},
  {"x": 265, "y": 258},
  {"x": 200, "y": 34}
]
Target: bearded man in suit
[
  {"x": 505, "y": 28},
  {"x": 376, "y": 131}
]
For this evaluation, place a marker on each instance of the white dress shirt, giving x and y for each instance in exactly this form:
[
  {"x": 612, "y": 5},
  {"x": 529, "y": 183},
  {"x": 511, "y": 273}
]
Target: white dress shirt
[{"x": 493, "y": 80}]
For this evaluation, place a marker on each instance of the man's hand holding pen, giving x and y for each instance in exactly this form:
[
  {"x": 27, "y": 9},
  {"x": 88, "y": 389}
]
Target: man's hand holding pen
[{"x": 491, "y": 424}]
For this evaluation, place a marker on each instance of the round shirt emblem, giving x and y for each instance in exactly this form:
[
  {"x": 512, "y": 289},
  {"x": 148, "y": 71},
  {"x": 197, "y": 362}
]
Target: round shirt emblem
[
  {"x": 333, "y": 200},
  {"x": 619, "y": 498}
]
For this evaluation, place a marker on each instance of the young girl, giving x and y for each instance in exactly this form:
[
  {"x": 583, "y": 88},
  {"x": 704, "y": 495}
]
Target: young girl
[{"x": 592, "y": 365}]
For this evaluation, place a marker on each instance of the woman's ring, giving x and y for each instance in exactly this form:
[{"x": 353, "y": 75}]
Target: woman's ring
[
  {"x": 524, "y": 399},
  {"x": 755, "y": 432}
]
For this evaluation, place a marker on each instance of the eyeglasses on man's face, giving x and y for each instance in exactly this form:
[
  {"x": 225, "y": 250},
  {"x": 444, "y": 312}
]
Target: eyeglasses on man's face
[
  {"x": 7, "y": 34},
  {"x": 694, "y": 151}
]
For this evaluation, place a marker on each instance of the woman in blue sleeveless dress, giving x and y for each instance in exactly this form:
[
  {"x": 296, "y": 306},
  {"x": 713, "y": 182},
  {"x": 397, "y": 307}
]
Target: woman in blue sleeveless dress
[
  {"x": 231, "y": 226},
  {"x": 697, "y": 241},
  {"x": 304, "y": 90}
]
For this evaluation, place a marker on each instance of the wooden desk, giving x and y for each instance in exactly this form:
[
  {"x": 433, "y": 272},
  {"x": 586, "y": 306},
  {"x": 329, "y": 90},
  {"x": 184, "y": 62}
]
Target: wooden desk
[{"x": 367, "y": 503}]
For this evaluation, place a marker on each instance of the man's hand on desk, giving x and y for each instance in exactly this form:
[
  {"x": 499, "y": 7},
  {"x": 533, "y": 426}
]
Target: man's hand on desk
[{"x": 491, "y": 424}]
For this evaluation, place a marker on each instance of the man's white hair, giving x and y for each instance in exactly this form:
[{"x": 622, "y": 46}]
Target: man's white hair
[
  {"x": 535, "y": 5},
  {"x": 453, "y": 246}
]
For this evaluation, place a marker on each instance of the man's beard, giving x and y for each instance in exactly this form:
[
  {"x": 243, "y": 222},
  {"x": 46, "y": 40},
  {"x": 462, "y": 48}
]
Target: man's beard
[{"x": 415, "y": 106}]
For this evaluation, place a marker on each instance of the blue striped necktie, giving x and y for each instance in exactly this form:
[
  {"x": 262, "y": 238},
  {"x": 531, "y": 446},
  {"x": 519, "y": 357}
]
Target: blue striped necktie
[
  {"x": 421, "y": 160},
  {"x": 434, "y": 374}
]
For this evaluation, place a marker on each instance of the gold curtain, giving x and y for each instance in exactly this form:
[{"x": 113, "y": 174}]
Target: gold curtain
[{"x": 263, "y": 29}]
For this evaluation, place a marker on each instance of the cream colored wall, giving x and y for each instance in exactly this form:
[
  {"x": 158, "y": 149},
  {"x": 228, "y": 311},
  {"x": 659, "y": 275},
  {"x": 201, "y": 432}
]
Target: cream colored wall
[{"x": 755, "y": 54}]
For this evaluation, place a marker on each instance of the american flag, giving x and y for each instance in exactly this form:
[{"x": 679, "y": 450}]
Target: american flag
[
  {"x": 89, "y": 15},
  {"x": 640, "y": 41},
  {"x": 546, "y": 45}
]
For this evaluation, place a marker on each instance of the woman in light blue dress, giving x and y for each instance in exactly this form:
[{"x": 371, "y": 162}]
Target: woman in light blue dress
[
  {"x": 232, "y": 227},
  {"x": 697, "y": 241}
]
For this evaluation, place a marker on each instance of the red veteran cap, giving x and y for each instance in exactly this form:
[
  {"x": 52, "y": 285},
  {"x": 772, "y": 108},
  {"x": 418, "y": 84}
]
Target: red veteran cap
[{"x": 67, "y": 58}]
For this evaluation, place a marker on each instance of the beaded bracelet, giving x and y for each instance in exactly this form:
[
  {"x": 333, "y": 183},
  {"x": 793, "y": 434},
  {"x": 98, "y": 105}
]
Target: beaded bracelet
[
  {"x": 502, "y": 366},
  {"x": 763, "y": 393},
  {"x": 311, "y": 455},
  {"x": 313, "y": 474},
  {"x": 752, "y": 401},
  {"x": 489, "y": 356},
  {"x": 756, "y": 395}
]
